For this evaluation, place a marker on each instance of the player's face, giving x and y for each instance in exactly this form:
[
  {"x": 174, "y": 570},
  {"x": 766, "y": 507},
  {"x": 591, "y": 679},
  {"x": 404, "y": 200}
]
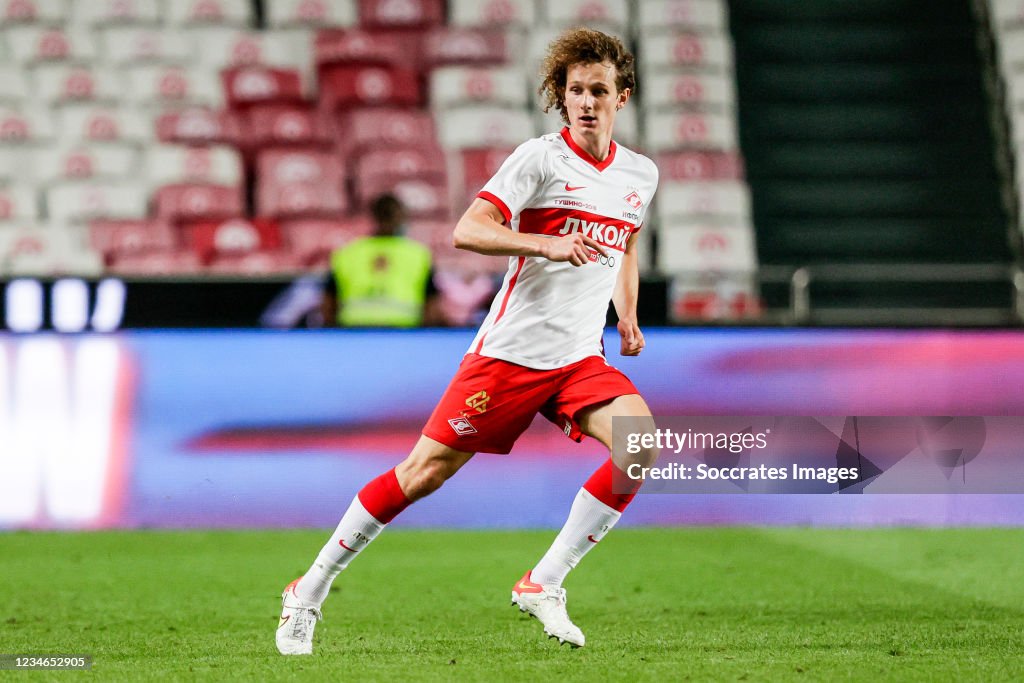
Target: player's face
[{"x": 591, "y": 98}]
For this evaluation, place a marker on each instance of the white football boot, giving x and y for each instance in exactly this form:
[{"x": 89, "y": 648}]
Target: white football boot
[
  {"x": 298, "y": 620},
  {"x": 547, "y": 605}
]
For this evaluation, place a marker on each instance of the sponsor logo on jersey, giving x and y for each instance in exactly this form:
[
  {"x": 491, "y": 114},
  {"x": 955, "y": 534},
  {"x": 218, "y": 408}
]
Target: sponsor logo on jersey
[
  {"x": 631, "y": 216},
  {"x": 462, "y": 426},
  {"x": 609, "y": 235},
  {"x": 576, "y": 204},
  {"x": 478, "y": 401}
]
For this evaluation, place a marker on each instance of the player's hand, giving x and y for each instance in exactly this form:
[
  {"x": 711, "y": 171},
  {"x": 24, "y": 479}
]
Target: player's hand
[
  {"x": 632, "y": 338},
  {"x": 574, "y": 248}
]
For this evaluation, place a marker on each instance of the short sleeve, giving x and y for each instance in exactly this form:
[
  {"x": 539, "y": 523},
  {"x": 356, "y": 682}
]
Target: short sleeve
[
  {"x": 653, "y": 188},
  {"x": 519, "y": 180}
]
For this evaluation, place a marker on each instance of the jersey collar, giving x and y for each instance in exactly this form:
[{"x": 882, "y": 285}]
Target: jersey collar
[{"x": 585, "y": 155}]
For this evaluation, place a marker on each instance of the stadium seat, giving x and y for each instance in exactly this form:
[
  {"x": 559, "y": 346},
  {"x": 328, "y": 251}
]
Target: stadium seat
[
  {"x": 343, "y": 87},
  {"x": 216, "y": 12},
  {"x": 364, "y": 47},
  {"x": 311, "y": 13},
  {"x": 684, "y": 15},
  {"x": 660, "y": 50},
  {"x": 710, "y": 92},
  {"x": 1007, "y": 13},
  {"x": 166, "y": 84},
  {"x": 42, "y": 251},
  {"x": 454, "y": 85},
  {"x": 299, "y": 183},
  {"x": 14, "y": 12},
  {"x": 108, "y": 161},
  {"x": 380, "y": 166},
  {"x": 103, "y": 123},
  {"x": 476, "y": 166},
  {"x": 26, "y": 123},
  {"x": 58, "y": 83},
  {"x": 276, "y": 124},
  {"x": 400, "y": 13},
  {"x": 222, "y": 47},
  {"x": 200, "y": 126},
  {"x": 696, "y": 165},
  {"x": 156, "y": 264},
  {"x": 379, "y": 128},
  {"x": 195, "y": 202},
  {"x": 106, "y": 12},
  {"x": 689, "y": 130},
  {"x": 465, "y": 284},
  {"x": 254, "y": 263},
  {"x": 490, "y": 13},
  {"x": 128, "y": 45},
  {"x": 484, "y": 126},
  {"x": 313, "y": 240},
  {"x": 705, "y": 246},
  {"x": 612, "y": 15},
  {"x": 14, "y": 84},
  {"x": 423, "y": 198},
  {"x": 451, "y": 46},
  {"x": 215, "y": 165},
  {"x": 118, "y": 239},
  {"x": 32, "y": 43},
  {"x": 260, "y": 84},
  {"x": 233, "y": 237},
  {"x": 714, "y": 198},
  {"x": 77, "y": 201},
  {"x": 18, "y": 202}
]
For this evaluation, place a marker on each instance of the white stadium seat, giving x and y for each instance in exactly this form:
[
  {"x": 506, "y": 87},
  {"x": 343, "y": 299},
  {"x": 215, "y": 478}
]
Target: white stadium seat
[
  {"x": 311, "y": 13},
  {"x": 699, "y": 15},
  {"x": 18, "y": 202},
  {"x": 483, "y": 126},
  {"x": 14, "y": 12},
  {"x": 57, "y": 83},
  {"x": 26, "y": 123},
  {"x": 42, "y": 250},
  {"x": 1007, "y": 13},
  {"x": 716, "y": 198},
  {"x": 199, "y": 12},
  {"x": 14, "y": 84},
  {"x": 100, "y": 12},
  {"x": 31, "y": 43},
  {"x": 454, "y": 85},
  {"x": 668, "y": 90},
  {"x": 611, "y": 14},
  {"x": 108, "y": 161},
  {"x": 689, "y": 130},
  {"x": 486, "y": 13},
  {"x": 164, "y": 84},
  {"x": 706, "y": 246},
  {"x": 215, "y": 165},
  {"x": 76, "y": 201},
  {"x": 224, "y": 47},
  {"x": 707, "y": 51},
  {"x": 124, "y": 45},
  {"x": 101, "y": 123}
]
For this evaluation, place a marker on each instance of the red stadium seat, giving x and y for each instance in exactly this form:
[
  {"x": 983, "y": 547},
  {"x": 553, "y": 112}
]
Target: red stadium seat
[
  {"x": 422, "y": 198},
  {"x": 232, "y": 237},
  {"x": 365, "y": 129},
  {"x": 187, "y": 202},
  {"x": 117, "y": 239},
  {"x": 367, "y": 47},
  {"x": 400, "y": 164},
  {"x": 254, "y": 263},
  {"x": 343, "y": 87},
  {"x": 282, "y": 124},
  {"x": 313, "y": 240},
  {"x": 259, "y": 84},
  {"x": 445, "y": 45},
  {"x": 700, "y": 165},
  {"x": 156, "y": 263},
  {"x": 475, "y": 167},
  {"x": 199, "y": 126},
  {"x": 400, "y": 13},
  {"x": 299, "y": 183}
]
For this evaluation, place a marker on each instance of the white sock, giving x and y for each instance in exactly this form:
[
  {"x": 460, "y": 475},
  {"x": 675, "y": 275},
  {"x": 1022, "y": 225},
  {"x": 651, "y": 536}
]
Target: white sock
[
  {"x": 356, "y": 529},
  {"x": 589, "y": 520}
]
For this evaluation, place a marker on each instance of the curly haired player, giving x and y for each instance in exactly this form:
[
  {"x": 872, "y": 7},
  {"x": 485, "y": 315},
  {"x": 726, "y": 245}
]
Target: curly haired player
[{"x": 566, "y": 209}]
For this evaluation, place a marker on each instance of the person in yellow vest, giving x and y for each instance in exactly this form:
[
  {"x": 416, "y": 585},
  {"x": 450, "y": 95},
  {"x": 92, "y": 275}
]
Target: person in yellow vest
[{"x": 384, "y": 280}]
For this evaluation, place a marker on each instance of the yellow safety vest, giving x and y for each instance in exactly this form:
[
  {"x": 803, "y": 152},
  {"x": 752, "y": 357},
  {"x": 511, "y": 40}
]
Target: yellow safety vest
[{"x": 382, "y": 282}]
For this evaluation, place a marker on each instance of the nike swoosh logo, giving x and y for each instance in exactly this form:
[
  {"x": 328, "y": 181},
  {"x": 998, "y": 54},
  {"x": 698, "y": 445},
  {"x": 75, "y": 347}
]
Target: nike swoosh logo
[
  {"x": 573, "y": 189},
  {"x": 351, "y": 550},
  {"x": 284, "y": 620},
  {"x": 592, "y": 539},
  {"x": 528, "y": 587}
]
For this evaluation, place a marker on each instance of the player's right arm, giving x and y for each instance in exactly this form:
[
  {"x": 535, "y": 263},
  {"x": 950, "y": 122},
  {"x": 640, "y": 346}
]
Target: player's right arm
[{"x": 481, "y": 229}]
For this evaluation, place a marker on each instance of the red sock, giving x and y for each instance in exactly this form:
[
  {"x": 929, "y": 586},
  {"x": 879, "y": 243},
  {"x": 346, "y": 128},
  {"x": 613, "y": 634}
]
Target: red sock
[
  {"x": 611, "y": 486},
  {"x": 383, "y": 497}
]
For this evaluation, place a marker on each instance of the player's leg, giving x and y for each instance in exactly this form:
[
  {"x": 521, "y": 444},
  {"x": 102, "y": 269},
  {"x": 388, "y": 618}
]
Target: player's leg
[
  {"x": 426, "y": 468},
  {"x": 600, "y": 502}
]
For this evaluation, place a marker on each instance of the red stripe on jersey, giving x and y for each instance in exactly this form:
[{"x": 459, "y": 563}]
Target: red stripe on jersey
[
  {"x": 609, "y": 232},
  {"x": 502, "y": 206},
  {"x": 504, "y": 302},
  {"x": 585, "y": 155}
]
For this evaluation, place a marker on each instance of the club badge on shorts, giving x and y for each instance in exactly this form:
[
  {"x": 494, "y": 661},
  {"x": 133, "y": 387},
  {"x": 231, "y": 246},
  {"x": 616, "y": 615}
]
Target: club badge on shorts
[{"x": 462, "y": 426}]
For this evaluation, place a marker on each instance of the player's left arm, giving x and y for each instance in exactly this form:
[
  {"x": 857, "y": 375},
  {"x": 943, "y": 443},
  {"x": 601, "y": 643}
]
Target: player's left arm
[{"x": 624, "y": 298}]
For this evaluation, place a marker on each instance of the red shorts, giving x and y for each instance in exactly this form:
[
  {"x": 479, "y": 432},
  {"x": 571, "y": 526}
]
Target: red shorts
[{"x": 491, "y": 402}]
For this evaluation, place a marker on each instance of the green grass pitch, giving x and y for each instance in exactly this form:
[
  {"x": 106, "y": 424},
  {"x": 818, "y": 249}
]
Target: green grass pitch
[{"x": 659, "y": 604}]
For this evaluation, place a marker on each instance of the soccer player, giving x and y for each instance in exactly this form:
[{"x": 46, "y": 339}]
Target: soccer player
[{"x": 566, "y": 208}]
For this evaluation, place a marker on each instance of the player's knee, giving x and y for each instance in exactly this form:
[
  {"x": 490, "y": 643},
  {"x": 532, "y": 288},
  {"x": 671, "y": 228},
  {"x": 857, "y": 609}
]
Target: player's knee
[
  {"x": 425, "y": 478},
  {"x": 644, "y": 457}
]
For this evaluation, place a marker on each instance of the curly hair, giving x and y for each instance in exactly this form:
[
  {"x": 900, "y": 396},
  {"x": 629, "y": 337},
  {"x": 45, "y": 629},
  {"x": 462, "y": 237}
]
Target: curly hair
[{"x": 582, "y": 46}]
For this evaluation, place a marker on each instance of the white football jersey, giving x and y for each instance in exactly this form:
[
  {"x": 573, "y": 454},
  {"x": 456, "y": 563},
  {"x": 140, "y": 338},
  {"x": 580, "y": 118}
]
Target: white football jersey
[{"x": 548, "y": 315}]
